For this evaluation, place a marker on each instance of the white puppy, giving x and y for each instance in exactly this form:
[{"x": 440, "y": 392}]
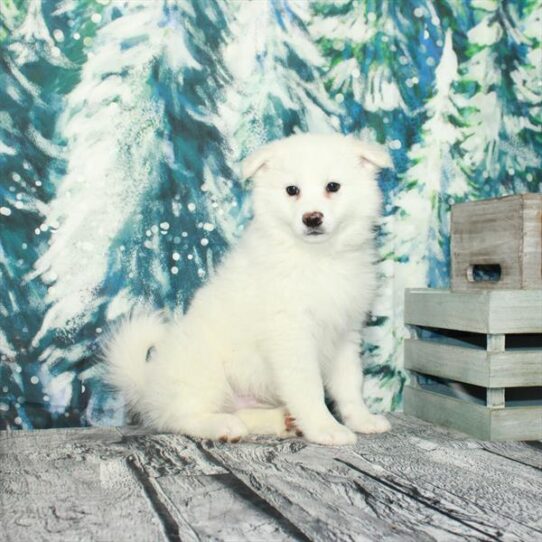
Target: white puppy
[{"x": 281, "y": 319}]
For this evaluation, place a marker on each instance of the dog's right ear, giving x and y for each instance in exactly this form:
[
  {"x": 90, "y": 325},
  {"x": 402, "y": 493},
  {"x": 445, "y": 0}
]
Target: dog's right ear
[
  {"x": 256, "y": 161},
  {"x": 374, "y": 154}
]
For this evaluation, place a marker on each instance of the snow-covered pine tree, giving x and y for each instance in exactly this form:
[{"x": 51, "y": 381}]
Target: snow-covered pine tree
[
  {"x": 147, "y": 205},
  {"x": 74, "y": 24},
  {"x": 501, "y": 109},
  {"x": 382, "y": 58},
  {"x": 419, "y": 240},
  {"x": 431, "y": 184},
  {"x": 380, "y": 61},
  {"x": 527, "y": 77},
  {"x": 11, "y": 15},
  {"x": 27, "y": 154},
  {"x": 277, "y": 84}
]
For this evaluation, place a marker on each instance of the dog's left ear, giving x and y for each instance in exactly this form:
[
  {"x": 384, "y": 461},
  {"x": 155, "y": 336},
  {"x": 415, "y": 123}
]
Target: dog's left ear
[
  {"x": 372, "y": 153},
  {"x": 256, "y": 161}
]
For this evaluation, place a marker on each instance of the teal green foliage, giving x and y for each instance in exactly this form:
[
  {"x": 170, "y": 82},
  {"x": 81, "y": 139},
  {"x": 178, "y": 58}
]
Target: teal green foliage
[
  {"x": 511, "y": 157},
  {"x": 187, "y": 95},
  {"x": 37, "y": 69},
  {"x": 148, "y": 256},
  {"x": 399, "y": 44},
  {"x": 392, "y": 379},
  {"x": 284, "y": 92},
  {"x": 25, "y": 120},
  {"x": 12, "y": 13}
]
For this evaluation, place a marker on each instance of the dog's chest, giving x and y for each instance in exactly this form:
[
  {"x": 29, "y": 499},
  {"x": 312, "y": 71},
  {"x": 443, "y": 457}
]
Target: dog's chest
[{"x": 332, "y": 295}]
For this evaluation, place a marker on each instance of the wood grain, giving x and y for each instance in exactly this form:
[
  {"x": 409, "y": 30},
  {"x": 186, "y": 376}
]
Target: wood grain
[
  {"x": 506, "y": 231},
  {"x": 316, "y": 492},
  {"x": 493, "y": 487},
  {"x": 70, "y": 485},
  {"x": 221, "y": 507},
  {"x": 495, "y": 312},
  {"x": 512, "y": 423},
  {"x": 515, "y": 311},
  {"x": 448, "y": 411},
  {"x": 532, "y": 242},
  {"x": 474, "y": 366},
  {"x": 198, "y": 495},
  {"x": 503, "y": 497},
  {"x": 417, "y": 482},
  {"x": 528, "y": 453}
]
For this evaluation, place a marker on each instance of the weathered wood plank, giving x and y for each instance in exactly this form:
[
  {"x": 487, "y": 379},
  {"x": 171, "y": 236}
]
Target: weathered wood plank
[
  {"x": 474, "y": 365},
  {"x": 498, "y": 495},
  {"x": 521, "y": 368},
  {"x": 532, "y": 243},
  {"x": 24, "y": 441},
  {"x": 168, "y": 454},
  {"x": 527, "y": 453},
  {"x": 220, "y": 507},
  {"x": 427, "y": 436},
  {"x": 465, "y": 364},
  {"x": 490, "y": 493},
  {"x": 480, "y": 235},
  {"x": 420, "y": 431},
  {"x": 449, "y": 411},
  {"x": 198, "y": 498},
  {"x": 512, "y": 423},
  {"x": 316, "y": 488},
  {"x": 70, "y": 485},
  {"x": 515, "y": 311},
  {"x": 438, "y": 308},
  {"x": 498, "y": 311},
  {"x": 516, "y": 423},
  {"x": 417, "y": 482},
  {"x": 496, "y": 342},
  {"x": 495, "y": 398}
]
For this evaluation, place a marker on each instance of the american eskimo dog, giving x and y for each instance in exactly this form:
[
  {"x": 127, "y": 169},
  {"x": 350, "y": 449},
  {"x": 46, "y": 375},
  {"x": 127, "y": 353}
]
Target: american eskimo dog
[{"x": 281, "y": 320}]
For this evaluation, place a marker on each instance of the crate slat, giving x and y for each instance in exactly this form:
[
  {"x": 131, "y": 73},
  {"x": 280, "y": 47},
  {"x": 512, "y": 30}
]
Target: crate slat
[
  {"x": 532, "y": 243},
  {"x": 516, "y": 423},
  {"x": 447, "y": 411},
  {"x": 515, "y": 311},
  {"x": 468, "y": 365},
  {"x": 495, "y": 311},
  {"x": 516, "y": 368},
  {"x": 511, "y": 368}
]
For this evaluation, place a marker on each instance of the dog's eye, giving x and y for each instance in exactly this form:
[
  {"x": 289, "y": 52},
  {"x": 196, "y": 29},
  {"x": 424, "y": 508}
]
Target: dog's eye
[
  {"x": 292, "y": 190},
  {"x": 332, "y": 187}
]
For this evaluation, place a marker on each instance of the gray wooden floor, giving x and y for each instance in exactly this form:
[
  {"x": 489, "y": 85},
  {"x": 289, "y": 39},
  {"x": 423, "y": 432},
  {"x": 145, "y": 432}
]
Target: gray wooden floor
[{"x": 416, "y": 483}]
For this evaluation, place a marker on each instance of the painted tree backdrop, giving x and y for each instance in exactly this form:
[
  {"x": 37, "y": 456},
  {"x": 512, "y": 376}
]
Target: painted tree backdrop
[{"x": 122, "y": 123}]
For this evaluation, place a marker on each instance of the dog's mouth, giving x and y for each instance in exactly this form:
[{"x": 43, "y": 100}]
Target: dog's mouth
[{"x": 314, "y": 232}]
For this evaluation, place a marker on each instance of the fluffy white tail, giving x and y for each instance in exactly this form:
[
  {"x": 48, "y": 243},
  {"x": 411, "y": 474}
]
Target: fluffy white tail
[{"x": 126, "y": 354}]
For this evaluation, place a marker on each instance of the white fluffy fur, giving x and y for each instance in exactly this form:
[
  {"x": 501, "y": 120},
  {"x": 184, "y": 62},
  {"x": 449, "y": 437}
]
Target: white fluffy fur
[{"x": 281, "y": 319}]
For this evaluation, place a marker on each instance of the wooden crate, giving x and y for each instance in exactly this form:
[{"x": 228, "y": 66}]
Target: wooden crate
[
  {"x": 476, "y": 360},
  {"x": 497, "y": 243}
]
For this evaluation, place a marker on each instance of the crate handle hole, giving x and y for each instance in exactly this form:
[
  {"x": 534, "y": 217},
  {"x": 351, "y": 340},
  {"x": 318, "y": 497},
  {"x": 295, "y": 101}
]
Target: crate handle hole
[{"x": 484, "y": 272}]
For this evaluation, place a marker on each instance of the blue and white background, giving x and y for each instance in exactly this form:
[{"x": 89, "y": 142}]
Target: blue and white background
[{"x": 122, "y": 123}]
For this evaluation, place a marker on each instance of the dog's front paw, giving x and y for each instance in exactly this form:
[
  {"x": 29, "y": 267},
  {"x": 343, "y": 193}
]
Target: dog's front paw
[
  {"x": 368, "y": 423},
  {"x": 331, "y": 435}
]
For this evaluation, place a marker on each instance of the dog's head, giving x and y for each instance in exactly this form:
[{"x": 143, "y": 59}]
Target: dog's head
[{"x": 317, "y": 187}]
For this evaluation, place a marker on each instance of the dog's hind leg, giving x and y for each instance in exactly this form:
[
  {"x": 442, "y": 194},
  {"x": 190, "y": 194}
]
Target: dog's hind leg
[
  {"x": 223, "y": 427},
  {"x": 268, "y": 421}
]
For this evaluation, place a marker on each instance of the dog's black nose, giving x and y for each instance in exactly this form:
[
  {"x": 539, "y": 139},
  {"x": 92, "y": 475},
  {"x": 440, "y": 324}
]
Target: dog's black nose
[{"x": 314, "y": 219}]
